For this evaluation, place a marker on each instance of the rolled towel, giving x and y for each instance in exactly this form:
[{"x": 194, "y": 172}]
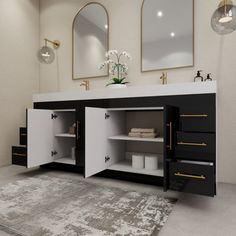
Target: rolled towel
[
  {"x": 140, "y": 130},
  {"x": 134, "y": 135},
  {"x": 148, "y": 135}
]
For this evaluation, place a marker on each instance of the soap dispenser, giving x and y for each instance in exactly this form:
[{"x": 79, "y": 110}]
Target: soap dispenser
[
  {"x": 198, "y": 78},
  {"x": 208, "y": 78}
]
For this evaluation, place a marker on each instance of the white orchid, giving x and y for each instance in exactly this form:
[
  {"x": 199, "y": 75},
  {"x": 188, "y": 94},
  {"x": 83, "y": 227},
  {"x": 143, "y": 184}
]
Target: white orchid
[{"x": 116, "y": 67}]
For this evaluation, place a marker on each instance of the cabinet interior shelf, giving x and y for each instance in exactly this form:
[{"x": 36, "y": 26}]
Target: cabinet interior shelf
[
  {"x": 126, "y": 166},
  {"x": 65, "y": 110},
  {"x": 127, "y": 138},
  {"x": 65, "y": 135},
  {"x": 65, "y": 160}
]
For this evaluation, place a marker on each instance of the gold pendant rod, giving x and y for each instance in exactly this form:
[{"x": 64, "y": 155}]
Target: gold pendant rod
[{"x": 56, "y": 43}]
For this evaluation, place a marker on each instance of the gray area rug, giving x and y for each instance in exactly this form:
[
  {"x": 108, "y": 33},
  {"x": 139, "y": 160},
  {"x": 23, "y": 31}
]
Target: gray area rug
[{"x": 54, "y": 206}]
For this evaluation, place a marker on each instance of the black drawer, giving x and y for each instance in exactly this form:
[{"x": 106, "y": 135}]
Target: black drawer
[
  {"x": 198, "y": 119},
  {"x": 196, "y": 146},
  {"x": 23, "y": 136},
  {"x": 192, "y": 178},
  {"x": 19, "y": 156}
]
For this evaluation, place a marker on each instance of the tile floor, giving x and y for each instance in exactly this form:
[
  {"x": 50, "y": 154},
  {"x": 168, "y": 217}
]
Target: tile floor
[{"x": 192, "y": 215}]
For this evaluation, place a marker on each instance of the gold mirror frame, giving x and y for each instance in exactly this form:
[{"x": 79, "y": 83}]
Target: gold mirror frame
[
  {"x": 193, "y": 50},
  {"x": 108, "y": 43}
]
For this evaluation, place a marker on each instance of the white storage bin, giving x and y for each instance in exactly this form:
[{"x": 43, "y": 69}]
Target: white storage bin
[
  {"x": 138, "y": 161},
  {"x": 151, "y": 162}
]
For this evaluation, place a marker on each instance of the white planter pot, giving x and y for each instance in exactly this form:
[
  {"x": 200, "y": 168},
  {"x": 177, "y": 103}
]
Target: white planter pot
[{"x": 116, "y": 86}]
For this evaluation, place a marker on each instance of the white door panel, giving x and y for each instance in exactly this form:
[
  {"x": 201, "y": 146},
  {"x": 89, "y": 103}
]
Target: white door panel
[
  {"x": 39, "y": 137},
  {"x": 95, "y": 141}
]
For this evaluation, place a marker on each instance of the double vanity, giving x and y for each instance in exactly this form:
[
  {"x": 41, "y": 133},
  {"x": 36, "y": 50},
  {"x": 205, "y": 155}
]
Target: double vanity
[{"x": 184, "y": 115}]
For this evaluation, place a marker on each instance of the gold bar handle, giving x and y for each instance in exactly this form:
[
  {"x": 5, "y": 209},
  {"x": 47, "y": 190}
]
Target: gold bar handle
[
  {"x": 23, "y": 134},
  {"x": 194, "y": 115},
  {"x": 170, "y": 130},
  {"x": 202, "y": 177},
  {"x": 19, "y": 154},
  {"x": 192, "y": 144},
  {"x": 77, "y": 129}
]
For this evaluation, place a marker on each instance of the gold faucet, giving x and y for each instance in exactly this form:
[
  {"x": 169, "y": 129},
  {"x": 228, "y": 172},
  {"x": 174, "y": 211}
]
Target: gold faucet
[
  {"x": 164, "y": 78},
  {"x": 86, "y": 84}
]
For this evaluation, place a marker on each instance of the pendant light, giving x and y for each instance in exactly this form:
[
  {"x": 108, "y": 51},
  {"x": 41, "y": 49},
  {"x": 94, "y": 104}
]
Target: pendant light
[
  {"x": 223, "y": 20},
  {"x": 46, "y": 54}
]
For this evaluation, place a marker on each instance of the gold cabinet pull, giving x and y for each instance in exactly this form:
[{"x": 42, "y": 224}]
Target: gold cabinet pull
[
  {"x": 170, "y": 133},
  {"x": 77, "y": 129},
  {"x": 192, "y": 144},
  {"x": 23, "y": 134},
  {"x": 202, "y": 177},
  {"x": 194, "y": 116},
  {"x": 19, "y": 154}
]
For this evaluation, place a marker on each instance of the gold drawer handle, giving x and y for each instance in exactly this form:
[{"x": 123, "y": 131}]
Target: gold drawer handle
[
  {"x": 23, "y": 134},
  {"x": 190, "y": 176},
  {"x": 194, "y": 116},
  {"x": 19, "y": 154},
  {"x": 193, "y": 144}
]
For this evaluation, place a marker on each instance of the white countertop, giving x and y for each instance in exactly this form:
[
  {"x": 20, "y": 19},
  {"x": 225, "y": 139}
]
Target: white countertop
[{"x": 129, "y": 92}]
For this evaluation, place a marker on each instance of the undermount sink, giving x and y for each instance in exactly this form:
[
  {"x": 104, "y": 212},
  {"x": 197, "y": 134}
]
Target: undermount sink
[{"x": 130, "y": 91}]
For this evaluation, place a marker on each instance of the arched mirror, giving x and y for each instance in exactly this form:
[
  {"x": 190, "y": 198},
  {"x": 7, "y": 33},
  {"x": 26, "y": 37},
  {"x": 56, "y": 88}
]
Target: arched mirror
[
  {"x": 90, "y": 41},
  {"x": 167, "y": 34}
]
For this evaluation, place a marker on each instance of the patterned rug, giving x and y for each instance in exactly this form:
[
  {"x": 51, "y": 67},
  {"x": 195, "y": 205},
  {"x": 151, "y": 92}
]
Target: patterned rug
[{"x": 54, "y": 206}]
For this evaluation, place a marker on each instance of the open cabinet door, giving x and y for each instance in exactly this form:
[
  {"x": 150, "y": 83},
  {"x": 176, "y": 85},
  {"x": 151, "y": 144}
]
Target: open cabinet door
[
  {"x": 95, "y": 141},
  {"x": 40, "y": 137},
  {"x": 171, "y": 122}
]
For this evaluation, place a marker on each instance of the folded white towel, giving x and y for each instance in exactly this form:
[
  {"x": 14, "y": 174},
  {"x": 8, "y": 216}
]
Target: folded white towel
[
  {"x": 149, "y": 135},
  {"x": 140, "y": 130},
  {"x": 134, "y": 135}
]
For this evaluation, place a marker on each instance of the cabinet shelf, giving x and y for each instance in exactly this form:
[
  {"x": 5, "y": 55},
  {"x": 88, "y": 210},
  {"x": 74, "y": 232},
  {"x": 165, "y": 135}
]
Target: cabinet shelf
[
  {"x": 127, "y": 138},
  {"x": 126, "y": 166},
  {"x": 65, "y": 110},
  {"x": 65, "y": 135},
  {"x": 65, "y": 160}
]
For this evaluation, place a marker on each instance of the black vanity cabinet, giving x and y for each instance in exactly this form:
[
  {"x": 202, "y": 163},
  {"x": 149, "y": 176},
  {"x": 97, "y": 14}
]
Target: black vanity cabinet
[
  {"x": 47, "y": 138},
  {"x": 187, "y": 124},
  {"x": 191, "y": 159}
]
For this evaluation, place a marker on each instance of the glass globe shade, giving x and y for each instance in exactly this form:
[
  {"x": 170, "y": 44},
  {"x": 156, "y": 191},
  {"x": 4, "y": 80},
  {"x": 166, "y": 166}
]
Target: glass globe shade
[
  {"x": 46, "y": 55},
  {"x": 223, "y": 20}
]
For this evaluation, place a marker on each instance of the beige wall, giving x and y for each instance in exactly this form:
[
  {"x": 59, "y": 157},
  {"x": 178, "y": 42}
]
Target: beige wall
[
  {"x": 19, "y": 69},
  {"x": 213, "y": 53}
]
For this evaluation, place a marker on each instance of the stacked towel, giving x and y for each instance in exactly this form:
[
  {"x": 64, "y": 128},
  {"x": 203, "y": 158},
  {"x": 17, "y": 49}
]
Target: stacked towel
[
  {"x": 148, "y": 135},
  {"x": 138, "y": 130},
  {"x": 134, "y": 135},
  {"x": 143, "y": 133}
]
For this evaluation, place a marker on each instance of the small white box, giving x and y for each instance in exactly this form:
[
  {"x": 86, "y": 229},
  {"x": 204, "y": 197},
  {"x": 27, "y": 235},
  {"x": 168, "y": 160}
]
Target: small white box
[
  {"x": 138, "y": 161},
  {"x": 151, "y": 162}
]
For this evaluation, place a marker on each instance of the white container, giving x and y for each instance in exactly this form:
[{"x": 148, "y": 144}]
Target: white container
[
  {"x": 151, "y": 162},
  {"x": 138, "y": 161}
]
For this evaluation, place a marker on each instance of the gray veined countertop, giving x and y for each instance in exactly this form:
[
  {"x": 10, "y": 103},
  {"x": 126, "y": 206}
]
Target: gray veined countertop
[{"x": 129, "y": 92}]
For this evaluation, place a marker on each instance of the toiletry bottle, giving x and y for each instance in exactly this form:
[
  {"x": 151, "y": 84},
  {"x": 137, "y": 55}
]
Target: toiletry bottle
[
  {"x": 208, "y": 78},
  {"x": 198, "y": 78}
]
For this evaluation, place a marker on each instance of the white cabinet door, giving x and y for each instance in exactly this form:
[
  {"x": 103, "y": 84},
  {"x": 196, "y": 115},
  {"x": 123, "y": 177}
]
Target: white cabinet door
[
  {"x": 39, "y": 137},
  {"x": 95, "y": 141}
]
